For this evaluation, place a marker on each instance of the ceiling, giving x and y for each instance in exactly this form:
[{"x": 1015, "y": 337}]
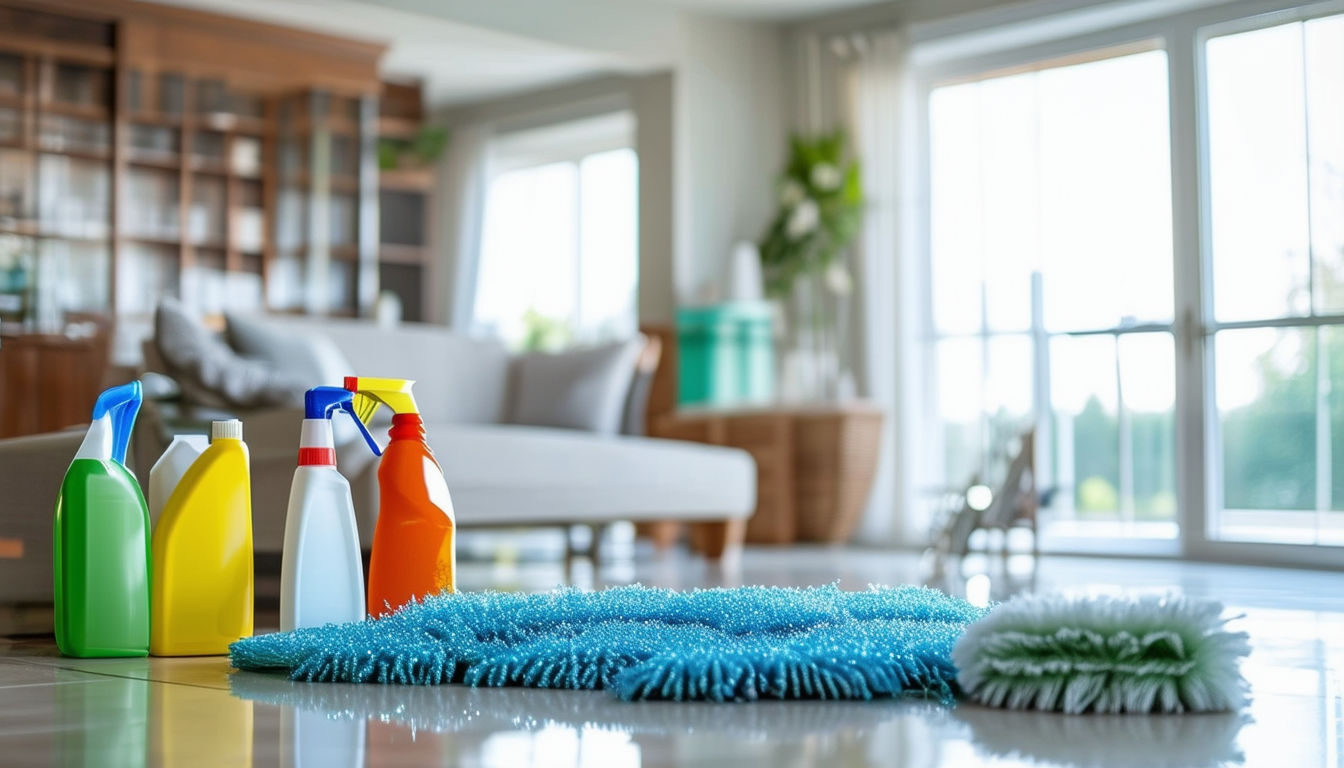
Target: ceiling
[
  {"x": 466, "y": 50},
  {"x": 776, "y": 10}
]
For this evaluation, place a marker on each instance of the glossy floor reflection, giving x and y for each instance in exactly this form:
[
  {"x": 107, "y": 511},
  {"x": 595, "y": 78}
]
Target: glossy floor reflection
[{"x": 195, "y": 712}]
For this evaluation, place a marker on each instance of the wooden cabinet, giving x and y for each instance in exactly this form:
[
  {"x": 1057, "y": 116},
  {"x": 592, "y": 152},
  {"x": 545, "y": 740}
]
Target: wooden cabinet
[
  {"x": 44, "y": 382},
  {"x": 192, "y": 215}
]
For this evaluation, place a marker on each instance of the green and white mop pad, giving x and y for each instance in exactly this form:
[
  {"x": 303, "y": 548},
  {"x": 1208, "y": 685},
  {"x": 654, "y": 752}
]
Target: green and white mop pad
[{"x": 1104, "y": 655}]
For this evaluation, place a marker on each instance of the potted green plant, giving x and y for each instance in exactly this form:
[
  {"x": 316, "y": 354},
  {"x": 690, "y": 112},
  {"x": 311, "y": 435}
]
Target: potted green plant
[
  {"x": 820, "y": 211},
  {"x": 419, "y": 151}
]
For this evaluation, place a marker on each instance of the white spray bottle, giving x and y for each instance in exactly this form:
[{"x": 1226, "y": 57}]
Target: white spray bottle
[{"x": 322, "y": 574}]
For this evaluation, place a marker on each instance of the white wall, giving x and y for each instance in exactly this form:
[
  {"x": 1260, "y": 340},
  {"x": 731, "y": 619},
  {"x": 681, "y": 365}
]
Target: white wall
[
  {"x": 655, "y": 110},
  {"x": 731, "y": 131},
  {"x": 710, "y": 137},
  {"x": 650, "y": 97}
]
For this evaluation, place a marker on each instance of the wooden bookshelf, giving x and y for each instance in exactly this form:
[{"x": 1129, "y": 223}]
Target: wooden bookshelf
[
  {"x": 140, "y": 157},
  {"x": 405, "y": 206},
  {"x": 326, "y": 257},
  {"x": 56, "y": 173},
  {"x": 174, "y": 113}
]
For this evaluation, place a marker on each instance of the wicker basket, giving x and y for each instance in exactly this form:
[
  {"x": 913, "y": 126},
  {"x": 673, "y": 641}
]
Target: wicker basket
[
  {"x": 835, "y": 457},
  {"x": 814, "y": 465}
]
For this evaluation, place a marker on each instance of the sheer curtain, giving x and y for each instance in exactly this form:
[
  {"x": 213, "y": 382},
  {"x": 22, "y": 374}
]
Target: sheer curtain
[
  {"x": 886, "y": 313},
  {"x": 462, "y": 184}
]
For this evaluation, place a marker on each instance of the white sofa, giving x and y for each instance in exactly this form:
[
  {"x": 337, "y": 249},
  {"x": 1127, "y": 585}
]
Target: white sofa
[{"x": 499, "y": 474}]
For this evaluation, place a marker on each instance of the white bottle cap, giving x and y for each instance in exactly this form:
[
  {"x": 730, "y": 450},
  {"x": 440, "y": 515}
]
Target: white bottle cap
[{"x": 226, "y": 430}]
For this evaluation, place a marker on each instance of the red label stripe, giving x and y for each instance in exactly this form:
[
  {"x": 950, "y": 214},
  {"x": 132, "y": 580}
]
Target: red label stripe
[{"x": 317, "y": 456}]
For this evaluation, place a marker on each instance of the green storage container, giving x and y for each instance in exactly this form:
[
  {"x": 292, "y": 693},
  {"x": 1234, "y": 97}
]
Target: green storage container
[{"x": 727, "y": 353}]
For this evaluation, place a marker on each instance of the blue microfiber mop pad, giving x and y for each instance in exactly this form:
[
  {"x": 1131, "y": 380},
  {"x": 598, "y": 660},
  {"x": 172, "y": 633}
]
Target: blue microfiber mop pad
[
  {"x": 1106, "y": 655},
  {"x": 738, "y": 644}
]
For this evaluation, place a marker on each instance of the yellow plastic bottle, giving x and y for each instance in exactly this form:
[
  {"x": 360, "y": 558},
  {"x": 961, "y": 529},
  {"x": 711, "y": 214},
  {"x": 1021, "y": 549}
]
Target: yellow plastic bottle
[{"x": 201, "y": 598}]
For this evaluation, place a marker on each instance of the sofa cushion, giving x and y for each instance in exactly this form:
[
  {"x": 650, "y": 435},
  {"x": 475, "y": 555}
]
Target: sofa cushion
[
  {"x": 212, "y": 374},
  {"x": 516, "y": 475},
  {"x": 580, "y": 389},
  {"x": 309, "y": 356},
  {"x": 459, "y": 378}
]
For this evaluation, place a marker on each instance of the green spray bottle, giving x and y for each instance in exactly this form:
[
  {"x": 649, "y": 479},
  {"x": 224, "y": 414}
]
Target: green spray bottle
[{"x": 102, "y": 541}]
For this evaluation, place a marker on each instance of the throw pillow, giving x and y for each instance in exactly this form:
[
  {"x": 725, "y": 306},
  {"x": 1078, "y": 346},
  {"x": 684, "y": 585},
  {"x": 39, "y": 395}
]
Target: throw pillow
[
  {"x": 581, "y": 389},
  {"x": 201, "y": 362},
  {"x": 310, "y": 357}
]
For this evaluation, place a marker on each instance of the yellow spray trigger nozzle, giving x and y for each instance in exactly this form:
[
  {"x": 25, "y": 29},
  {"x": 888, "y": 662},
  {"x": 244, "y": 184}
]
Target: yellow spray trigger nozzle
[{"x": 371, "y": 393}]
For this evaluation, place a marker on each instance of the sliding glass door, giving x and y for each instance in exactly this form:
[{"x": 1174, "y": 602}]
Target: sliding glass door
[
  {"x": 1135, "y": 247},
  {"x": 1275, "y": 126},
  {"x": 1051, "y": 255}
]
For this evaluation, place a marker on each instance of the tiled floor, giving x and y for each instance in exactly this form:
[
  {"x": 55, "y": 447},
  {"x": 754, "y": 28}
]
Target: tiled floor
[{"x": 194, "y": 712}]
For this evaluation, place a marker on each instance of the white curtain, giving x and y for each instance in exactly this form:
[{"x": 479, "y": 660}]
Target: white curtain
[
  {"x": 884, "y": 319},
  {"x": 463, "y": 180}
]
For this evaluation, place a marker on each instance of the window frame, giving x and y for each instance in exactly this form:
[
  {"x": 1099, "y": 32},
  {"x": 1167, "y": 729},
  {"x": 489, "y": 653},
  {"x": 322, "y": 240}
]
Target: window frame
[
  {"x": 1183, "y": 35},
  {"x": 536, "y": 144}
]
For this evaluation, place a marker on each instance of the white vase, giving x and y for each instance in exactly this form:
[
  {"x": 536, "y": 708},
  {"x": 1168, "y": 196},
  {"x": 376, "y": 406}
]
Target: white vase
[
  {"x": 387, "y": 311},
  {"x": 746, "y": 283},
  {"x": 812, "y": 357}
]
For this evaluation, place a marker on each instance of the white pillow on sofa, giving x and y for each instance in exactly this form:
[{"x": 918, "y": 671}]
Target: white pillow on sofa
[
  {"x": 581, "y": 389},
  {"x": 308, "y": 356}
]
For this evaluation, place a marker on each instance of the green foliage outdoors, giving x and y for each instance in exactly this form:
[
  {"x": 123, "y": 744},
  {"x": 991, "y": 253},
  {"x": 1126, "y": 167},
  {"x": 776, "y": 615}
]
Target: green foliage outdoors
[
  {"x": 544, "y": 334},
  {"x": 1269, "y": 444},
  {"x": 1096, "y": 442},
  {"x": 820, "y": 211},
  {"x": 1096, "y": 494},
  {"x": 1269, "y": 453}
]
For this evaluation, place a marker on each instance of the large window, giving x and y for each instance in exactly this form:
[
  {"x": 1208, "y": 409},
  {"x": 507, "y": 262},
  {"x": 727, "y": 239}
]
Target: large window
[
  {"x": 1169, "y": 323},
  {"x": 1276, "y": 201},
  {"x": 1052, "y": 274},
  {"x": 558, "y": 262}
]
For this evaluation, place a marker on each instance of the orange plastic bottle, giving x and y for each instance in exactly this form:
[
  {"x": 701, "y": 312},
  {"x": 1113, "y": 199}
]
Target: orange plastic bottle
[{"x": 414, "y": 547}]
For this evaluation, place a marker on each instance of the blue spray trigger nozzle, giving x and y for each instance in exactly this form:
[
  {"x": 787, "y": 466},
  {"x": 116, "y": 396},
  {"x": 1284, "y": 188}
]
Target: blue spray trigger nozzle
[
  {"x": 325, "y": 402},
  {"x": 321, "y": 402},
  {"x": 120, "y": 405}
]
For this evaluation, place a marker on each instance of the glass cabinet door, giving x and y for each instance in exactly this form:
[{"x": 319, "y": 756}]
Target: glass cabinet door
[
  {"x": 17, "y": 202},
  {"x": 206, "y": 218},
  {"x": 153, "y": 209}
]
